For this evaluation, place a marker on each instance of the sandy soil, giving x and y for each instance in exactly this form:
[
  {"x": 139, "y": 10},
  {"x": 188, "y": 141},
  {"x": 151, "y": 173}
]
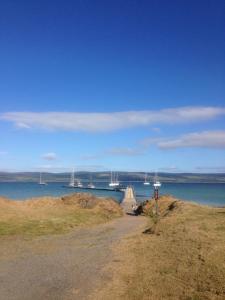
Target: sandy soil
[{"x": 69, "y": 266}]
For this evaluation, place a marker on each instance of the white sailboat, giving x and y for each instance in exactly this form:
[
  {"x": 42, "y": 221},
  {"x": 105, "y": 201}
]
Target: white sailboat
[
  {"x": 72, "y": 183},
  {"x": 91, "y": 185},
  {"x": 156, "y": 183},
  {"x": 79, "y": 183},
  {"x": 112, "y": 184},
  {"x": 117, "y": 183},
  {"x": 41, "y": 182},
  {"x": 114, "y": 180},
  {"x": 146, "y": 182}
]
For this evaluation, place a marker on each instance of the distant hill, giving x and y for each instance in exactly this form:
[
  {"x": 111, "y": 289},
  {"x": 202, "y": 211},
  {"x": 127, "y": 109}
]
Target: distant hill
[{"x": 105, "y": 176}]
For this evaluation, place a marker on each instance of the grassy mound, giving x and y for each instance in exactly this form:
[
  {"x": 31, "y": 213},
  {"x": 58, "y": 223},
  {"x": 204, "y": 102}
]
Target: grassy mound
[
  {"x": 48, "y": 215},
  {"x": 180, "y": 255}
]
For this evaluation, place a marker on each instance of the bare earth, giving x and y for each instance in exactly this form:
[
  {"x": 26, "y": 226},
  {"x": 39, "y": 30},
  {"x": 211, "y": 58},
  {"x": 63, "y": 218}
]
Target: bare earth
[{"x": 69, "y": 266}]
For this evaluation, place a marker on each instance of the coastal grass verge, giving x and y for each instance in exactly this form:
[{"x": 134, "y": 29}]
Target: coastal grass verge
[
  {"x": 180, "y": 255},
  {"x": 48, "y": 215}
]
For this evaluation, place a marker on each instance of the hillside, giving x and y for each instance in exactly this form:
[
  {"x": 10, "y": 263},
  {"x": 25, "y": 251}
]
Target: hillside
[
  {"x": 49, "y": 215},
  {"x": 180, "y": 255},
  {"x": 105, "y": 176}
]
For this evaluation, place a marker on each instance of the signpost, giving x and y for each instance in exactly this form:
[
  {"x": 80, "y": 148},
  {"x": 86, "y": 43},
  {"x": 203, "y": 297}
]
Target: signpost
[{"x": 156, "y": 186}]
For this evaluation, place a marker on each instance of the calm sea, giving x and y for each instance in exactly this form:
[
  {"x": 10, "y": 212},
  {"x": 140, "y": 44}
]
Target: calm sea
[{"x": 210, "y": 194}]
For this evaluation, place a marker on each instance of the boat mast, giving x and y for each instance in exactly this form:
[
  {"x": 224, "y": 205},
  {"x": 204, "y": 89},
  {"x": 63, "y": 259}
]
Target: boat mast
[
  {"x": 90, "y": 178},
  {"x": 155, "y": 177},
  {"x": 111, "y": 177},
  {"x": 72, "y": 178}
]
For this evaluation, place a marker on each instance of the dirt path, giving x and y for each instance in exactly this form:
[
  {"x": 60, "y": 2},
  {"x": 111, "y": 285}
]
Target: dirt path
[{"x": 61, "y": 267}]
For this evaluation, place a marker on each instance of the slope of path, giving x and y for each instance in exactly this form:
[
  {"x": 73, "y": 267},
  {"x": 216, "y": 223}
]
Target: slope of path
[{"x": 61, "y": 267}]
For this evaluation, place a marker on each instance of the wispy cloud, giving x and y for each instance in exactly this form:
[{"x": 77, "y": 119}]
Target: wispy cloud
[
  {"x": 156, "y": 129},
  {"x": 104, "y": 122},
  {"x": 66, "y": 169},
  {"x": 117, "y": 151},
  {"x": 91, "y": 156},
  {"x": 22, "y": 125},
  {"x": 2, "y": 153},
  {"x": 210, "y": 169},
  {"x": 49, "y": 156},
  {"x": 125, "y": 151},
  {"x": 203, "y": 139},
  {"x": 169, "y": 169},
  {"x": 45, "y": 167}
]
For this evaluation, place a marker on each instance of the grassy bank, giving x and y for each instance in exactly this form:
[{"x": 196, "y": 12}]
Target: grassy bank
[
  {"x": 181, "y": 255},
  {"x": 48, "y": 215}
]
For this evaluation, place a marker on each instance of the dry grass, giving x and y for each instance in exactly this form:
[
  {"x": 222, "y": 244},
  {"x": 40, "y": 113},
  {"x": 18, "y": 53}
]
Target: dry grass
[
  {"x": 47, "y": 215},
  {"x": 179, "y": 256}
]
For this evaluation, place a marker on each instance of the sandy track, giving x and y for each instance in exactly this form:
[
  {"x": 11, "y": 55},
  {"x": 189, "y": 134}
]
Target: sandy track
[{"x": 61, "y": 267}]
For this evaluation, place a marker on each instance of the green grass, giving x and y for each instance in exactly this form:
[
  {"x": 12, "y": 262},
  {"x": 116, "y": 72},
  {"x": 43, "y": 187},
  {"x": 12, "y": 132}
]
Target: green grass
[
  {"x": 52, "y": 225},
  {"x": 48, "y": 215}
]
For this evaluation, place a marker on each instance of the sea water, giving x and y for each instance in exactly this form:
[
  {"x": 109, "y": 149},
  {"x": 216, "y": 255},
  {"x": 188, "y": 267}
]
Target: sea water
[{"x": 203, "y": 193}]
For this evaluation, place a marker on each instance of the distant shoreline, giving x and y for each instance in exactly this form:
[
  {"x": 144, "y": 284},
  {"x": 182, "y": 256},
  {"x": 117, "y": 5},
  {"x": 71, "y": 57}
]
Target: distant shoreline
[
  {"x": 122, "y": 176},
  {"x": 105, "y": 181}
]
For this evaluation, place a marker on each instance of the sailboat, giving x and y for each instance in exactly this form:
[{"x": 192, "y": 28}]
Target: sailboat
[
  {"x": 156, "y": 183},
  {"x": 74, "y": 182},
  {"x": 146, "y": 182},
  {"x": 41, "y": 182},
  {"x": 71, "y": 183},
  {"x": 112, "y": 183},
  {"x": 114, "y": 180},
  {"x": 79, "y": 183},
  {"x": 91, "y": 185},
  {"x": 117, "y": 183}
]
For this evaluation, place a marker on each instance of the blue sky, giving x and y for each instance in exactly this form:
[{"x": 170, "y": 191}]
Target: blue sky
[{"x": 124, "y": 85}]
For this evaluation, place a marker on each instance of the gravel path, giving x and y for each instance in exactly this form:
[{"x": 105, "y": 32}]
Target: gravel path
[{"x": 61, "y": 267}]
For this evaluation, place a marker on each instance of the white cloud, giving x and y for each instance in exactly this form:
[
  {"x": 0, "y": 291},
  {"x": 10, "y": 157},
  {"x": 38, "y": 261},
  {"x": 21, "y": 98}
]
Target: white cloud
[
  {"x": 104, "y": 122},
  {"x": 203, "y": 139},
  {"x": 49, "y": 156},
  {"x": 22, "y": 125},
  {"x": 206, "y": 139}
]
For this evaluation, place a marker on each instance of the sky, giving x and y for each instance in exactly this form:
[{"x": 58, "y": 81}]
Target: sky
[{"x": 112, "y": 85}]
